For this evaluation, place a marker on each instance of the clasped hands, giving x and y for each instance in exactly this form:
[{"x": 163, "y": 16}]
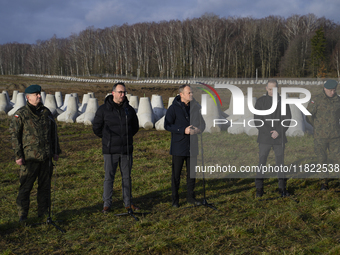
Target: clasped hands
[{"x": 192, "y": 130}]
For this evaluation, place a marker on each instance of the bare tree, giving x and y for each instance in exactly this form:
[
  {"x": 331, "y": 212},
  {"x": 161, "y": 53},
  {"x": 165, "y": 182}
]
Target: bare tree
[
  {"x": 205, "y": 46},
  {"x": 157, "y": 38}
]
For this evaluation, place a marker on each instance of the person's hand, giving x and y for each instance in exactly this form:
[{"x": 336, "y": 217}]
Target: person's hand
[
  {"x": 191, "y": 130},
  {"x": 274, "y": 134},
  {"x": 187, "y": 130},
  {"x": 55, "y": 157},
  {"x": 194, "y": 130},
  {"x": 20, "y": 161}
]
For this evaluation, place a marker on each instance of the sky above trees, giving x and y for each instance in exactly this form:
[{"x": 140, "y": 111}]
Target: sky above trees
[
  {"x": 26, "y": 21},
  {"x": 209, "y": 46}
]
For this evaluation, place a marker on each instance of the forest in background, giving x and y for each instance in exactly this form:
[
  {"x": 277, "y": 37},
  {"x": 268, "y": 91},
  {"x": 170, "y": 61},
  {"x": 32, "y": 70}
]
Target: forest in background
[{"x": 209, "y": 46}]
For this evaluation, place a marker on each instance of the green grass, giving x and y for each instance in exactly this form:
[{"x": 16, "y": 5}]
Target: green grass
[{"x": 306, "y": 223}]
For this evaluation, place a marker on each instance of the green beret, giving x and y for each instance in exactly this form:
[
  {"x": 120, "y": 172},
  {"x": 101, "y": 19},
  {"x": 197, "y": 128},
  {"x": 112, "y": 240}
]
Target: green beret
[
  {"x": 33, "y": 89},
  {"x": 330, "y": 84}
]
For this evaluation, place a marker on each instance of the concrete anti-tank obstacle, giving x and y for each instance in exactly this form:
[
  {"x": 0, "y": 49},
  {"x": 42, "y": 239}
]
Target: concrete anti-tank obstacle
[
  {"x": 240, "y": 123},
  {"x": 83, "y": 106},
  {"x": 237, "y": 122},
  {"x": 301, "y": 95},
  {"x": 70, "y": 115},
  {"x": 157, "y": 107},
  {"x": 77, "y": 98},
  {"x": 308, "y": 127},
  {"x": 11, "y": 104},
  {"x": 171, "y": 99},
  {"x": 92, "y": 107},
  {"x": 213, "y": 113},
  {"x": 14, "y": 96},
  {"x": 128, "y": 96},
  {"x": 64, "y": 106},
  {"x": 91, "y": 94},
  {"x": 133, "y": 101},
  {"x": 20, "y": 102},
  {"x": 58, "y": 98},
  {"x": 237, "y": 126},
  {"x": 297, "y": 116},
  {"x": 43, "y": 97},
  {"x": 229, "y": 111},
  {"x": 88, "y": 116},
  {"x": 249, "y": 128},
  {"x": 145, "y": 113},
  {"x": 159, "y": 125},
  {"x": 51, "y": 104},
  {"x": 4, "y": 106}
]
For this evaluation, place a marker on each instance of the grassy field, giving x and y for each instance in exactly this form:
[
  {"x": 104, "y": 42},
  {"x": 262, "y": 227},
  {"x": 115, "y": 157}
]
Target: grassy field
[{"x": 306, "y": 223}]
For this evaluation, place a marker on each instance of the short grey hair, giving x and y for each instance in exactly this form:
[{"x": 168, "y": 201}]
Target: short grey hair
[
  {"x": 273, "y": 81},
  {"x": 115, "y": 85},
  {"x": 181, "y": 88}
]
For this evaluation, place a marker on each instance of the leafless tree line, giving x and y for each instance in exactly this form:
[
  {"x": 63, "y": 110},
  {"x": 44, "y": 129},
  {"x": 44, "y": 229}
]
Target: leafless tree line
[{"x": 208, "y": 46}]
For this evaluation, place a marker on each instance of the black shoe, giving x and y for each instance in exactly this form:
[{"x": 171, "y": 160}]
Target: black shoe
[
  {"x": 324, "y": 186},
  {"x": 193, "y": 201},
  {"x": 259, "y": 192},
  {"x": 284, "y": 193},
  {"x": 23, "y": 218},
  {"x": 175, "y": 205}
]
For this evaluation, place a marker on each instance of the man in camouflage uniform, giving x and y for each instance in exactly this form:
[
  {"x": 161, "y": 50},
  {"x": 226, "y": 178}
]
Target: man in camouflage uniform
[
  {"x": 325, "y": 110},
  {"x": 35, "y": 141}
]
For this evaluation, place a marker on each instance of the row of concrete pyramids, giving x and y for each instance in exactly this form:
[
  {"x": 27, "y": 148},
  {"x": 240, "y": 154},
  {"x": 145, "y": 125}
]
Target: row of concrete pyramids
[{"x": 151, "y": 114}]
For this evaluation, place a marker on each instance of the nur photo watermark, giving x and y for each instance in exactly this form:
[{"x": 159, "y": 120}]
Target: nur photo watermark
[{"x": 229, "y": 146}]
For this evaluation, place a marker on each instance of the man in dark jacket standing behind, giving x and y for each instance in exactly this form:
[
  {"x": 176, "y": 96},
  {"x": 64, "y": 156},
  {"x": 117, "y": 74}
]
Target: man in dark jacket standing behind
[
  {"x": 184, "y": 120},
  {"x": 116, "y": 123},
  {"x": 272, "y": 134}
]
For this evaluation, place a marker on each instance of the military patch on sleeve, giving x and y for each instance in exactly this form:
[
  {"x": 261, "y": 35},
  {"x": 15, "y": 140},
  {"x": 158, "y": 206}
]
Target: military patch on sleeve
[{"x": 16, "y": 115}]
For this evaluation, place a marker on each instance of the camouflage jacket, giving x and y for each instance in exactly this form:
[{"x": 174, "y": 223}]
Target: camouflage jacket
[
  {"x": 34, "y": 135},
  {"x": 325, "y": 115}
]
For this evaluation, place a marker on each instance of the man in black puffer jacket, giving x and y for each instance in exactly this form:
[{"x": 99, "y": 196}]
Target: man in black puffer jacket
[
  {"x": 116, "y": 123},
  {"x": 272, "y": 134},
  {"x": 184, "y": 120}
]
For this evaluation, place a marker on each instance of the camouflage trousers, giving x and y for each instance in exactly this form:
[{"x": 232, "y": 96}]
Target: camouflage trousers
[
  {"x": 321, "y": 146},
  {"x": 28, "y": 174}
]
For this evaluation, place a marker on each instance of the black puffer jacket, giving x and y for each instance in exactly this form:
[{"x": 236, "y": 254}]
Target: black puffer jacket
[
  {"x": 110, "y": 124},
  {"x": 176, "y": 120}
]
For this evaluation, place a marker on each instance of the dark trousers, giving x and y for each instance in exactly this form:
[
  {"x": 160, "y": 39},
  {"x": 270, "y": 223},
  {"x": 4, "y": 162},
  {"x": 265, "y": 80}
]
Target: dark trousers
[
  {"x": 177, "y": 164},
  {"x": 321, "y": 145},
  {"x": 111, "y": 162},
  {"x": 264, "y": 150},
  {"x": 28, "y": 174}
]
